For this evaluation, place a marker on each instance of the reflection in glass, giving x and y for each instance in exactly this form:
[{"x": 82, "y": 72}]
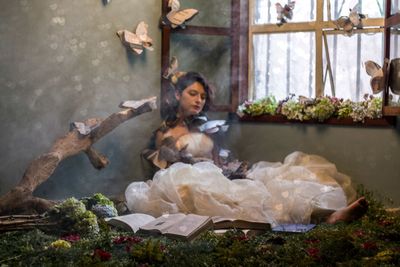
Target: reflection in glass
[
  {"x": 284, "y": 64},
  {"x": 347, "y": 55},
  {"x": 265, "y": 11},
  {"x": 216, "y": 13},
  {"x": 371, "y": 8},
  {"x": 209, "y": 55}
]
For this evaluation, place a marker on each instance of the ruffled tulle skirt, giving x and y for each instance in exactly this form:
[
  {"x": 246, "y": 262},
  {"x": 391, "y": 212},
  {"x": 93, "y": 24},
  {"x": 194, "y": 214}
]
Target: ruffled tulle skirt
[{"x": 287, "y": 192}]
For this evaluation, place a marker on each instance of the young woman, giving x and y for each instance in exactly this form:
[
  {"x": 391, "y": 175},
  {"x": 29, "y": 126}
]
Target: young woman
[
  {"x": 179, "y": 138},
  {"x": 302, "y": 188}
]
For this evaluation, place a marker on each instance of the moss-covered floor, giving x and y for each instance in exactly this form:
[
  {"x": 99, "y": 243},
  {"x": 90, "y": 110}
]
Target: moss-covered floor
[{"x": 372, "y": 241}]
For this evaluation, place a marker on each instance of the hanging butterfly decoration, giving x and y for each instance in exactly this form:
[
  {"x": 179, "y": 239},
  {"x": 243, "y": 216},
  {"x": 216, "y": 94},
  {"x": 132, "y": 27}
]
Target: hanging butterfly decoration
[
  {"x": 172, "y": 73},
  {"x": 377, "y": 81},
  {"x": 137, "y": 41},
  {"x": 176, "y": 17},
  {"x": 284, "y": 12},
  {"x": 172, "y": 68},
  {"x": 348, "y": 23}
]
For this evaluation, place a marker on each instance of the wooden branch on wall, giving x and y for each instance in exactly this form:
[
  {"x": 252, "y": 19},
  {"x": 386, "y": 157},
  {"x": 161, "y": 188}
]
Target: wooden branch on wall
[{"x": 80, "y": 138}]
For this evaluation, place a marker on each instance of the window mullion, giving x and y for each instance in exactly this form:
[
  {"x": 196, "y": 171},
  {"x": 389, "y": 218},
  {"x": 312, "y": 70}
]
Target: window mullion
[
  {"x": 318, "y": 50},
  {"x": 288, "y": 63},
  {"x": 251, "y": 63},
  {"x": 267, "y": 72}
]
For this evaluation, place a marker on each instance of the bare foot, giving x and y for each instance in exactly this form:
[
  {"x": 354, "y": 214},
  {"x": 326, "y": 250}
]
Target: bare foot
[{"x": 352, "y": 212}]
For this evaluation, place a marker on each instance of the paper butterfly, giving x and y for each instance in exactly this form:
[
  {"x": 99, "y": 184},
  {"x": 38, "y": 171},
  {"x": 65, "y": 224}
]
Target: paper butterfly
[
  {"x": 377, "y": 77},
  {"x": 137, "y": 41},
  {"x": 172, "y": 68},
  {"x": 214, "y": 126},
  {"x": 347, "y": 23},
  {"x": 82, "y": 128},
  {"x": 284, "y": 13},
  {"x": 178, "y": 17}
]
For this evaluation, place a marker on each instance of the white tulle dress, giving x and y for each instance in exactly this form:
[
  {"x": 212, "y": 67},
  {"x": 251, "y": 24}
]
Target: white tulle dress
[{"x": 277, "y": 193}]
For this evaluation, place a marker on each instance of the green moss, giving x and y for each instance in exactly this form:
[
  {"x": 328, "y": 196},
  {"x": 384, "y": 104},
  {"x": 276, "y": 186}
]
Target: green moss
[
  {"x": 72, "y": 217},
  {"x": 97, "y": 199}
]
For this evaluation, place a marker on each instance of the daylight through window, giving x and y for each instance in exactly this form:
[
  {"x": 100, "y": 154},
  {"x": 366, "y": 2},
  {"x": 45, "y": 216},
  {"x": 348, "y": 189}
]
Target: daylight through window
[{"x": 313, "y": 52}]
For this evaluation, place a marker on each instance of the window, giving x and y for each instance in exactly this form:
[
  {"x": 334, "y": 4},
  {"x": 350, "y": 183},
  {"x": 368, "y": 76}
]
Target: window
[
  {"x": 308, "y": 55},
  {"x": 392, "y": 51},
  {"x": 208, "y": 44}
]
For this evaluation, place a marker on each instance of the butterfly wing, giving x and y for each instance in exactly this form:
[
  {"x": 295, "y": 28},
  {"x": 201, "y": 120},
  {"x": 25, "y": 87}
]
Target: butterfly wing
[
  {"x": 279, "y": 10},
  {"x": 342, "y": 21},
  {"x": 354, "y": 16},
  {"x": 82, "y": 128},
  {"x": 132, "y": 40},
  {"x": 376, "y": 73},
  {"x": 177, "y": 18},
  {"x": 288, "y": 10},
  {"x": 174, "y": 5},
  {"x": 141, "y": 33},
  {"x": 371, "y": 67},
  {"x": 173, "y": 66},
  {"x": 291, "y": 5}
]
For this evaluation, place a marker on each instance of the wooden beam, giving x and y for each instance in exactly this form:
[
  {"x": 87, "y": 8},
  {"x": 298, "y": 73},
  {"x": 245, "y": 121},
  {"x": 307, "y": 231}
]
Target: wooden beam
[{"x": 203, "y": 30}]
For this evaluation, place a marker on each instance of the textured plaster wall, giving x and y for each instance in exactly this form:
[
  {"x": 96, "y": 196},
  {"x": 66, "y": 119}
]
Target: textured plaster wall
[{"x": 61, "y": 61}]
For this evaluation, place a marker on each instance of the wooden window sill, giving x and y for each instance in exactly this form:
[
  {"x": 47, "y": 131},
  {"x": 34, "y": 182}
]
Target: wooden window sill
[{"x": 382, "y": 122}]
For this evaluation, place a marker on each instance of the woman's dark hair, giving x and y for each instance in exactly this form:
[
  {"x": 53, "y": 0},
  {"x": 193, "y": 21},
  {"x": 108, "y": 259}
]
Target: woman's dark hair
[{"x": 169, "y": 106}]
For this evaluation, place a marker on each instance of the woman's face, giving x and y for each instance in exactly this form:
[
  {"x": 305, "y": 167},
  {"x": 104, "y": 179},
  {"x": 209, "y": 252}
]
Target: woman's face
[{"x": 192, "y": 99}]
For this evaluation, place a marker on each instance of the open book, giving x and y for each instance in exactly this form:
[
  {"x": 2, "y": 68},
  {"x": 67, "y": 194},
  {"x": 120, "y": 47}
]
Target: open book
[
  {"x": 130, "y": 222},
  {"x": 178, "y": 226},
  {"x": 220, "y": 222},
  {"x": 181, "y": 226}
]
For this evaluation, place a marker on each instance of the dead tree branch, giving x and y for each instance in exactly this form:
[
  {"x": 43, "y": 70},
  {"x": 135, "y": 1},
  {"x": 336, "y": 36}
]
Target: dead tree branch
[{"x": 80, "y": 138}]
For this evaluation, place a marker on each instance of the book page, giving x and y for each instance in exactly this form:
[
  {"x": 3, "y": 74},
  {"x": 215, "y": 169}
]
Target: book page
[
  {"x": 189, "y": 225},
  {"x": 163, "y": 222},
  {"x": 221, "y": 222},
  {"x": 130, "y": 222},
  {"x": 217, "y": 219}
]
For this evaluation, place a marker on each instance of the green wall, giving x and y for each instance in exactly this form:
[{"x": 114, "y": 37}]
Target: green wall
[{"x": 61, "y": 61}]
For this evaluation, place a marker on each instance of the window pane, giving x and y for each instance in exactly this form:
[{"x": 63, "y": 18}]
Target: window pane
[
  {"x": 395, "y": 42},
  {"x": 209, "y": 55},
  {"x": 265, "y": 11},
  {"x": 215, "y": 13},
  {"x": 395, "y": 7},
  {"x": 284, "y": 64},
  {"x": 394, "y": 53},
  {"x": 347, "y": 55},
  {"x": 371, "y": 8}
]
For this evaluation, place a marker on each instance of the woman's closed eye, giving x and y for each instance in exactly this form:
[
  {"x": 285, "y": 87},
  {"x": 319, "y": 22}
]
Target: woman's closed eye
[{"x": 195, "y": 93}]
